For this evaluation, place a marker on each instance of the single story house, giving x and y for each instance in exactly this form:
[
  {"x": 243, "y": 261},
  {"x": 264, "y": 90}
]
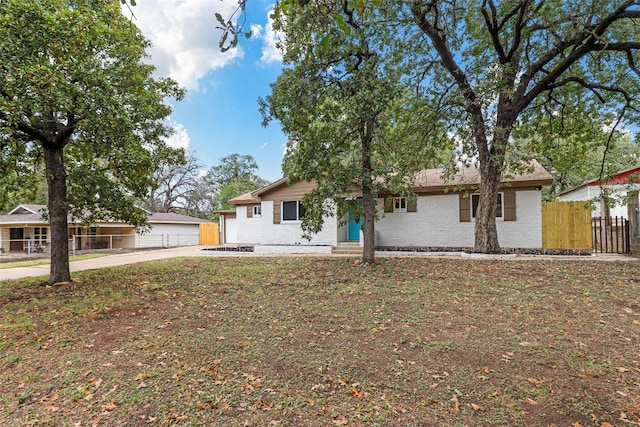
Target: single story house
[
  {"x": 442, "y": 215},
  {"x": 25, "y": 228},
  {"x": 619, "y": 185}
]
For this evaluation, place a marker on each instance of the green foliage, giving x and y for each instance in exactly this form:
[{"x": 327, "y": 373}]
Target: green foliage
[
  {"x": 75, "y": 93},
  {"x": 486, "y": 71},
  {"x": 82, "y": 68},
  {"x": 341, "y": 102},
  {"x": 234, "y": 175}
]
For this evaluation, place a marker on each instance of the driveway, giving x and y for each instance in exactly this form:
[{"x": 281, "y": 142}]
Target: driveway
[{"x": 105, "y": 261}]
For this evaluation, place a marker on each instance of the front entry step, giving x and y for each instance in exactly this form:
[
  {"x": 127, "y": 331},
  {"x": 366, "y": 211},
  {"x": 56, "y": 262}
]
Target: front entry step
[{"x": 347, "y": 248}]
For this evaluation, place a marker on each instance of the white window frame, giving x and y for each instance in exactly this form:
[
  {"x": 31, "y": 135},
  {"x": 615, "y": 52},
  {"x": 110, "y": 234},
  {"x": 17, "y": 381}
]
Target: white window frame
[
  {"x": 257, "y": 211},
  {"x": 399, "y": 204},
  {"x": 40, "y": 235},
  {"x": 500, "y": 201}
]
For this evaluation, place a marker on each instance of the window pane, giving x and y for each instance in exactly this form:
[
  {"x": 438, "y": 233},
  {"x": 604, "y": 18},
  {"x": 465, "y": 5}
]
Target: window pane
[
  {"x": 475, "y": 199},
  {"x": 399, "y": 203},
  {"x": 289, "y": 211},
  {"x": 301, "y": 210}
]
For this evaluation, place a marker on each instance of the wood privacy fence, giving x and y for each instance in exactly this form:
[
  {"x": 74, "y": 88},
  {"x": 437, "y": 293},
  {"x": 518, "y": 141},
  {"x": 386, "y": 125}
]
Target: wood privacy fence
[
  {"x": 566, "y": 225},
  {"x": 209, "y": 233}
]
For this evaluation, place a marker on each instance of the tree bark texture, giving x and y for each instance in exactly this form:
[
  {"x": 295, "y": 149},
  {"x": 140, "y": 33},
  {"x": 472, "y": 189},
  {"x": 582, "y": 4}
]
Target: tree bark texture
[
  {"x": 486, "y": 230},
  {"x": 368, "y": 200},
  {"x": 58, "y": 212}
]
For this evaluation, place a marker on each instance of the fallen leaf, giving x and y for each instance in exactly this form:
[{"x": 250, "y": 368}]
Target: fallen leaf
[
  {"x": 577, "y": 424},
  {"x": 476, "y": 407},
  {"x": 356, "y": 393},
  {"x": 456, "y": 405},
  {"x": 530, "y": 401},
  {"x": 142, "y": 385},
  {"x": 536, "y": 382},
  {"x": 341, "y": 422},
  {"x": 606, "y": 424},
  {"x": 622, "y": 369}
]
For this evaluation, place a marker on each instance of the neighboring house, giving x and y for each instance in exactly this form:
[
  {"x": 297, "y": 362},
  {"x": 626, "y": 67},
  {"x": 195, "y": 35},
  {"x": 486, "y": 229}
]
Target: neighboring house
[
  {"x": 442, "y": 215},
  {"x": 618, "y": 186},
  {"x": 25, "y": 229}
]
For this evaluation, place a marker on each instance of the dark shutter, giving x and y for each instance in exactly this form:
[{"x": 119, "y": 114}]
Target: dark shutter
[
  {"x": 465, "y": 207},
  {"x": 510, "y": 205}
]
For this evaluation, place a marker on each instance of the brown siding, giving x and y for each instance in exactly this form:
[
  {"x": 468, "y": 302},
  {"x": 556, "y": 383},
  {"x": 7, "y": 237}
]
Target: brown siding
[
  {"x": 295, "y": 191},
  {"x": 250, "y": 211},
  {"x": 282, "y": 193},
  {"x": 465, "y": 207},
  {"x": 509, "y": 205}
]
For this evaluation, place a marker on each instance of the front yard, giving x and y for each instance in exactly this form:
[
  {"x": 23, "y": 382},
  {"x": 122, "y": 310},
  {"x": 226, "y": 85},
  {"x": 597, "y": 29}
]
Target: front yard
[{"x": 322, "y": 342}]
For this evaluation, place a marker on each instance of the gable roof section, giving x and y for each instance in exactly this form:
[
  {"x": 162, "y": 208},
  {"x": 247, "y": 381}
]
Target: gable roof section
[
  {"x": 627, "y": 176},
  {"x": 253, "y": 197},
  {"x": 26, "y": 213},
  {"x": 174, "y": 218},
  {"x": 27, "y": 209},
  {"x": 432, "y": 181}
]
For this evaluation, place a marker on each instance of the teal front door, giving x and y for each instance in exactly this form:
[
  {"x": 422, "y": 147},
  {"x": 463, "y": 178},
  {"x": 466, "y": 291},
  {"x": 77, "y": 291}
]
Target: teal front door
[{"x": 354, "y": 226}]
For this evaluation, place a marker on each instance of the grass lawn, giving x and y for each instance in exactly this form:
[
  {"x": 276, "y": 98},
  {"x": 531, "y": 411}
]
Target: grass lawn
[{"x": 304, "y": 341}]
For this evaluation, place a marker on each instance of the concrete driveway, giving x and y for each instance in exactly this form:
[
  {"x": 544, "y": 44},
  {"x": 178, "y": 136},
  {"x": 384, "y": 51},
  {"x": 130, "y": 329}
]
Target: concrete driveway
[{"x": 105, "y": 261}]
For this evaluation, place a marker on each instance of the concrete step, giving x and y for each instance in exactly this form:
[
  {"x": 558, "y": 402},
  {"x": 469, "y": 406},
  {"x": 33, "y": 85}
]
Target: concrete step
[{"x": 353, "y": 248}]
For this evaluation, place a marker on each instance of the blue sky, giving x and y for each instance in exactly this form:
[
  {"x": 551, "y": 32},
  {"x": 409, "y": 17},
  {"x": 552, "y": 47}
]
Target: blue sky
[{"x": 219, "y": 115}]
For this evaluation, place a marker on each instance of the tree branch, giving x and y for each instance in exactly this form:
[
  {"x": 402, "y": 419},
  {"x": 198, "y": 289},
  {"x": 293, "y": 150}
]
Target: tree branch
[{"x": 583, "y": 42}]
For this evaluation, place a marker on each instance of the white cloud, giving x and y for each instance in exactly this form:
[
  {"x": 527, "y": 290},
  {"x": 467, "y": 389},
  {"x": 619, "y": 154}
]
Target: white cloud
[
  {"x": 184, "y": 37},
  {"x": 270, "y": 51},
  {"x": 180, "y": 137}
]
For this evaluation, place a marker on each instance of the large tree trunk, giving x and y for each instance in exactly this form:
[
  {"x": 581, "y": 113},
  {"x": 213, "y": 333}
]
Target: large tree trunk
[
  {"x": 368, "y": 230},
  {"x": 58, "y": 211},
  {"x": 486, "y": 231},
  {"x": 368, "y": 227}
]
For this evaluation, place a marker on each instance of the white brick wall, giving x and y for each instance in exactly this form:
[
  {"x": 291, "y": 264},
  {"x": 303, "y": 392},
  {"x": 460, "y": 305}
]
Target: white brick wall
[
  {"x": 248, "y": 229},
  {"x": 263, "y": 231},
  {"x": 437, "y": 223}
]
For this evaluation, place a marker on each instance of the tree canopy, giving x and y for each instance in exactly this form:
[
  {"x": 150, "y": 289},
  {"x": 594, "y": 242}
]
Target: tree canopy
[
  {"x": 234, "y": 175},
  {"x": 339, "y": 103},
  {"x": 487, "y": 71},
  {"x": 76, "y": 95}
]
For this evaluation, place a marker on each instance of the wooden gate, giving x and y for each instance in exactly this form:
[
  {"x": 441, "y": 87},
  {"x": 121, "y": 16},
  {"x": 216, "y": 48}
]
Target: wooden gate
[
  {"x": 611, "y": 235},
  {"x": 566, "y": 225},
  {"x": 209, "y": 233}
]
